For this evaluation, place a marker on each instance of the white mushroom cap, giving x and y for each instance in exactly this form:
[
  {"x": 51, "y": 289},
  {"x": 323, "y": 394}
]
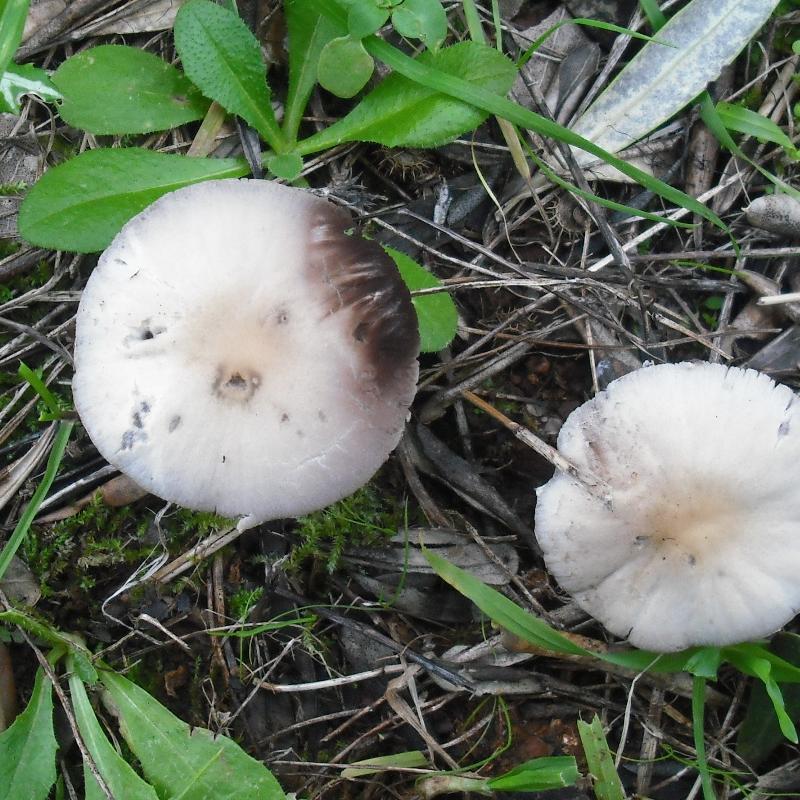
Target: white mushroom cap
[
  {"x": 701, "y": 542},
  {"x": 237, "y": 352}
]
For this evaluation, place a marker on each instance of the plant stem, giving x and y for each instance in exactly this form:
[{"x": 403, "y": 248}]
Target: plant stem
[
  {"x": 698, "y": 726},
  {"x": 53, "y": 463}
]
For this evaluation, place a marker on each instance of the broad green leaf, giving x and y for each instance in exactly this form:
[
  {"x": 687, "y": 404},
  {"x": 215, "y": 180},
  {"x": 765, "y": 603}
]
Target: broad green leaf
[
  {"x": 659, "y": 81},
  {"x": 751, "y": 123},
  {"x": 140, "y": 92},
  {"x": 181, "y": 761},
  {"x": 12, "y": 21},
  {"x": 17, "y": 81},
  {"x": 537, "y": 775},
  {"x": 606, "y": 782},
  {"x": 309, "y": 32},
  {"x": 223, "y": 58},
  {"x": 364, "y": 18},
  {"x": 28, "y": 748},
  {"x": 421, "y": 19},
  {"x": 287, "y": 166},
  {"x": 82, "y": 204},
  {"x": 436, "y": 313},
  {"x": 120, "y": 777},
  {"x": 760, "y": 732},
  {"x": 344, "y": 66},
  {"x": 402, "y": 113},
  {"x": 410, "y": 758}
]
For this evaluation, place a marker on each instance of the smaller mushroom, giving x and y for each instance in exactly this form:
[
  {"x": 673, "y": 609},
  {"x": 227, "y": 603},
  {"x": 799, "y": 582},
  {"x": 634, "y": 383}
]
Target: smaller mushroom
[
  {"x": 236, "y": 351},
  {"x": 700, "y": 544}
]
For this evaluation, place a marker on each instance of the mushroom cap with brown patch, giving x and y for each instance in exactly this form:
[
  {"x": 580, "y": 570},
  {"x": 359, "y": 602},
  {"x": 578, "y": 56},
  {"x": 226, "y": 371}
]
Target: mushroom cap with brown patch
[
  {"x": 236, "y": 351},
  {"x": 700, "y": 544}
]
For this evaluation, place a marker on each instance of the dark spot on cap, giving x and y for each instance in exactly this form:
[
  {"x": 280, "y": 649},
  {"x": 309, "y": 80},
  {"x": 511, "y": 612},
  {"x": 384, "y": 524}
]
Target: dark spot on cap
[
  {"x": 174, "y": 422},
  {"x": 237, "y": 385},
  {"x": 282, "y": 317},
  {"x": 783, "y": 428},
  {"x": 361, "y": 278},
  {"x": 322, "y": 417},
  {"x": 284, "y": 417},
  {"x": 139, "y": 414},
  {"x": 132, "y": 437},
  {"x": 223, "y": 459},
  {"x": 692, "y": 560}
]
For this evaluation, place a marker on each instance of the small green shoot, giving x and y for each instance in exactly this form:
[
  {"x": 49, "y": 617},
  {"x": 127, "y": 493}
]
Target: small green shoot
[
  {"x": 410, "y": 758},
  {"x": 606, "y": 782}
]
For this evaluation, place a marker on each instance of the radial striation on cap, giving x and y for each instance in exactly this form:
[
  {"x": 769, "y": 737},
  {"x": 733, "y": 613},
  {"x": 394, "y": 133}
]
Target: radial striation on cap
[
  {"x": 236, "y": 351},
  {"x": 701, "y": 542}
]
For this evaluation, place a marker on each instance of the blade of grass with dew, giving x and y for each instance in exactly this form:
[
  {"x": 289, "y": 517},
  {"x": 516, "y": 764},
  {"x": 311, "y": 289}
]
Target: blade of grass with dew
[
  {"x": 495, "y": 104},
  {"x": 607, "y": 785}
]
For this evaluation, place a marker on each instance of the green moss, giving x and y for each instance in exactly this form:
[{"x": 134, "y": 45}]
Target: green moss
[
  {"x": 364, "y": 518},
  {"x": 243, "y": 601}
]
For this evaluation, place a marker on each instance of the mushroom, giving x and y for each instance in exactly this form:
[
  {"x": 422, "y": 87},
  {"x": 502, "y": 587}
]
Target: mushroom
[
  {"x": 237, "y": 352},
  {"x": 700, "y": 544}
]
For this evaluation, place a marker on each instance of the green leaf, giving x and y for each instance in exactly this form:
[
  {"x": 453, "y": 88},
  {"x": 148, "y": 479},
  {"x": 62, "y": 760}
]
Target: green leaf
[
  {"x": 287, "y": 166},
  {"x": 82, "y": 204},
  {"x": 309, "y": 32},
  {"x": 537, "y": 775},
  {"x": 402, "y": 113},
  {"x": 21, "y": 80},
  {"x": 607, "y": 785},
  {"x": 760, "y": 732},
  {"x": 181, "y": 761},
  {"x": 117, "y": 773},
  {"x": 421, "y": 19},
  {"x": 28, "y": 747},
  {"x": 436, "y": 313},
  {"x": 141, "y": 92},
  {"x": 223, "y": 58},
  {"x": 743, "y": 120},
  {"x": 410, "y": 758},
  {"x": 12, "y": 22},
  {"x": 344, "y": 66},
  {"x": 364, "y": 18}
]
